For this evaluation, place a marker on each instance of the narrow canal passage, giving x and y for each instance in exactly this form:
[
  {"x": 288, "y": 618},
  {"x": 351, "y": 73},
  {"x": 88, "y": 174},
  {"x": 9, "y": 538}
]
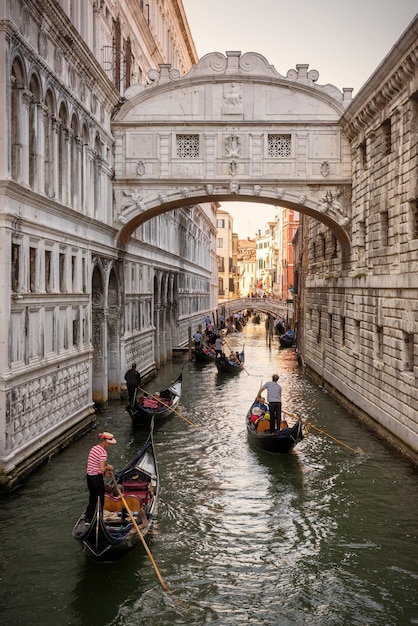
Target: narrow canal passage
[{"x": 323, "y": 536}]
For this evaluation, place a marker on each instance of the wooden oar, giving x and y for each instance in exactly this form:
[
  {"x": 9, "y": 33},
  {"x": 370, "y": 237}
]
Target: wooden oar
[
  {"x": 158, "y": 398},
  {"x": 141, "y": 536},
  {"x": 235, "y": 357},
  {"x": 323, "y": 432}
]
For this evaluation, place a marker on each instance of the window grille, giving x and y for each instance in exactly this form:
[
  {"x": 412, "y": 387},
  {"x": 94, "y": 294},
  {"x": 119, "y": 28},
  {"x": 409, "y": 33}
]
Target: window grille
[
  {"x": 187, "y": 146},
  {"x": 279, "y": 146}
]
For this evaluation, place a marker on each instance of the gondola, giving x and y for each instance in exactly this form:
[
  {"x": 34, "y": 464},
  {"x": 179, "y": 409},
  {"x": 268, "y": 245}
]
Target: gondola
[
  {"x": 288, "y": 339},
  {"x": 111, "y": 533},
  {"x": 158, "y": 406},
  {"x": 279, "y": 442},
  {"x": 232, "y": 364},
  {"x": 204, "y": 354}
]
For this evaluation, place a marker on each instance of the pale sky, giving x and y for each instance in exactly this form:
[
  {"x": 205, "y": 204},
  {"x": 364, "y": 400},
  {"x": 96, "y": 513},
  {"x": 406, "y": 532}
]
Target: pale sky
[{"x": 344, "y": 40}]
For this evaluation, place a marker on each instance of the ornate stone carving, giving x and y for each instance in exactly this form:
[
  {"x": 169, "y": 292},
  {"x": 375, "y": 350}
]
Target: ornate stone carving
[
  {"x": 324, "y": 169},
  {"x": 233, "y": 98},
  {"x": 233, "y": 188},
  {"x": 329, "y": 201},
  {"x": 233, "y": 168},
  {"x": 233, "y": 146},
  {"x": 140, "y": 168},
  {"x": 132, "y": 198}
]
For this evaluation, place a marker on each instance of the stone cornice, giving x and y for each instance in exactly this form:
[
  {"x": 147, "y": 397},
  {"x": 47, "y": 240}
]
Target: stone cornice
[
  {"x": 396, "y": 72},
  {"x": 185, "y": 30},
  {"x": 73, "y": 47}
]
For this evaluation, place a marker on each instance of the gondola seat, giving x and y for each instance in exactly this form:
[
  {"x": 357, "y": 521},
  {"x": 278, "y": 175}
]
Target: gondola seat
[
  {"x": 263, "y": 425},
  {"x": 116, "y": 504}
]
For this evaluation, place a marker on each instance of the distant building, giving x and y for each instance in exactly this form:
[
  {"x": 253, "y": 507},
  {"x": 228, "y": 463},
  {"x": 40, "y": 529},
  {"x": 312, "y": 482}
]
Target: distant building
[
  {"x": 225, "y": 252},
  {"x": 246, "y": 264}
]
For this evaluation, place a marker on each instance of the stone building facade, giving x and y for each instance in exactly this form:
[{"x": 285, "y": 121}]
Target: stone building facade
[
  {"x": 77, "y": 308},
  {"x": 358, "y": 322}
]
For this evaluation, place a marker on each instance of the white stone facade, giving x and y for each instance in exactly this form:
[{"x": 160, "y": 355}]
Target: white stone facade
[{"x": 78, "y": 308}]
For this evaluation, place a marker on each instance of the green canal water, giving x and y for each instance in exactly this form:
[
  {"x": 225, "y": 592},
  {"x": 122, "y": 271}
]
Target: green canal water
[{"x": 323, "y": 536}]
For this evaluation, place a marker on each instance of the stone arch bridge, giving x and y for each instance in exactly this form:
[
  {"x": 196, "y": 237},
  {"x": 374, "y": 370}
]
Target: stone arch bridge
[
  {"x": 233, "y": 128},
  {"x": 276, "y": 308}
]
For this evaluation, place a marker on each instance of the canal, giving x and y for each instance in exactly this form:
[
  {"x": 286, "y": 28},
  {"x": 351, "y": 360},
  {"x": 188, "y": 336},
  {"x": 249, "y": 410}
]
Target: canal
[{"x": 324, "y": 536}]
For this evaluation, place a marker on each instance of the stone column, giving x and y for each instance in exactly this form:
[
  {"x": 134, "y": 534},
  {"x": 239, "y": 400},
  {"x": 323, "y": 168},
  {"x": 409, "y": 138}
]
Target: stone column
[
  {"x": 54, "y": 191},
  {"x": 42, "y": 117},
  {"x": 26, "y": 98}
]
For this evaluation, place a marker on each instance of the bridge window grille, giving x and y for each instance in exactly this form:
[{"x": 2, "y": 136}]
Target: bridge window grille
[
  {"x": 279, "y": 146},
  {"x": 187, "y": 146}
]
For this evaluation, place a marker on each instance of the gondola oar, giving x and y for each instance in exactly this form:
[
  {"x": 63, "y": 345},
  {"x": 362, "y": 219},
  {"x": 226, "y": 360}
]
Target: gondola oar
[
  {"x": 158, "y": 398},
  {"x": 358, "y": 451},
  {"x": 140, "y": 535}
]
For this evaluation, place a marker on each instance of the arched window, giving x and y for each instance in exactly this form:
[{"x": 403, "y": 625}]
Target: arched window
[
  {"x": 74, "y": 163},
  {"x": 97, "y": 173},
  {"x": 49, "y": 144},
  {"x": 15, "y": 121},
  {"x": 62, "y": 155}
]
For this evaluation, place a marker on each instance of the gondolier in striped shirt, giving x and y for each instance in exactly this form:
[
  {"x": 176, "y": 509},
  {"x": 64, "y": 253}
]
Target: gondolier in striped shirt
[
  {"x": 274, "y": 399},
  {"x": 97, "y": 466}
]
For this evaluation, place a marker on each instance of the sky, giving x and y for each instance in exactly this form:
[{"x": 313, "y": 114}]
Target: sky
[{"x": 344, "y": 40}]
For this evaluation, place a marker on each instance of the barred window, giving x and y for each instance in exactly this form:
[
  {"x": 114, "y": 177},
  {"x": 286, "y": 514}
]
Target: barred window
[
  {"x": 279, "y": 146},
  {"x": 387, "y": 136},
  {"x": 187, "y": 146}
]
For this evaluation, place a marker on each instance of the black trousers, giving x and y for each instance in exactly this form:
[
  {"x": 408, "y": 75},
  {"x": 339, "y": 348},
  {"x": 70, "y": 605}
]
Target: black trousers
[
  {"x": 131, "y": 392},
  {"x": 96, "y": 490},
  {"x": 275, "y": 409}
]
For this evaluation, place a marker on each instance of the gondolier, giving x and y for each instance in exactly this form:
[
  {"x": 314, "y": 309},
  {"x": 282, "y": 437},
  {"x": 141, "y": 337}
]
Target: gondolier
[
  {"x": 274, "y": 399},
  {"x": 97, "y": 466},
  {"x": 133, "y": 380}
]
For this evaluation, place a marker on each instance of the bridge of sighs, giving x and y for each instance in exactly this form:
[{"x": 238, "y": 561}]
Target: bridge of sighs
[{"x": 233, "y": 128}]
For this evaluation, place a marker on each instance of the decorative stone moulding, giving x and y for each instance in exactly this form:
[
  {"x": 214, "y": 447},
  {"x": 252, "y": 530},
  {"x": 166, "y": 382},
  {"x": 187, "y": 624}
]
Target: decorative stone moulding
[{"x": 234, "y": 63}]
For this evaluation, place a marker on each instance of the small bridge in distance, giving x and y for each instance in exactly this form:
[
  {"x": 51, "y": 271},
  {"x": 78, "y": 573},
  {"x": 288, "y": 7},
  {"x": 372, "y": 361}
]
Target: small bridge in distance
[{"x": 277, "y": 308}]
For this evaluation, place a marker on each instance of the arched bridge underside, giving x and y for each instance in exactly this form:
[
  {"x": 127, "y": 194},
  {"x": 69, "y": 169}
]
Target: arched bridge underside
[{"x": 233, "y": 128}]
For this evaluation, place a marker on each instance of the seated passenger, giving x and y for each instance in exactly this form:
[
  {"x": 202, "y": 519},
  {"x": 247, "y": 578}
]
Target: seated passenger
[
  {"x": 261, "y": 403},
  {"x": 256, "y": 414}
]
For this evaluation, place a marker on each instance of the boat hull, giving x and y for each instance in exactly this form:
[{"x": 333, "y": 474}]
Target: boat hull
[
  {"x": 111, "y": 533},
  {"x": 280, "y": 442},
  {"x": 170, "y": 395}
]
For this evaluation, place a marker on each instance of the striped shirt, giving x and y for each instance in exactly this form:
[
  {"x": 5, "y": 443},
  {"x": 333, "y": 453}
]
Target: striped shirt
[{"x": 96, "y": 455}]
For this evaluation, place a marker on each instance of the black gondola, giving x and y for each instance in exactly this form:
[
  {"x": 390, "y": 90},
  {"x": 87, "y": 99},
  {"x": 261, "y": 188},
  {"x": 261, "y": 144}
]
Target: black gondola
[
  {"x": 111, "y": 533},
  {"x": 204, "y": 354},
  {"x": 288, "y": 339},
  {"x": 158, "y": 406},
  {"x": 232, "y": 364},
  {"x": 279, "y": 442}
]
